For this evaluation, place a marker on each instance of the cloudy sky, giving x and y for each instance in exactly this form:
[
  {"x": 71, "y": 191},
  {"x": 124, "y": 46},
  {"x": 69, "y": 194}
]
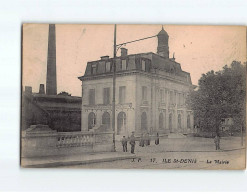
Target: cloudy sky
[{"x": 198, "y": 49}]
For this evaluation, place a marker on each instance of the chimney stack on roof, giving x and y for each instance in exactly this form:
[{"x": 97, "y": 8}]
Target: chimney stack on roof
[
  {"x": 41, "y": 89},
  {"x": 104, "y": 57},
  {"x": 124, "y": 52},
  {"x": 28, "y": 90}
]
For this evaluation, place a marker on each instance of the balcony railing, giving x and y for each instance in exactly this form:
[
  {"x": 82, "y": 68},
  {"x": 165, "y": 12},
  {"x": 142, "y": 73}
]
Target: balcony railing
[{"x": 77, "y": 139}]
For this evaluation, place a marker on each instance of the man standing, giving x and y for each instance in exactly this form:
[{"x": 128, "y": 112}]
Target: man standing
[
  {"x": 157, "y": 141},
  {"x": 141, "y": 143},
  {"x": 132, "y": 143},
  {"x": 148, "y": 139},
  {"x": 124, "y": 144},
  {"x": 217, "y": 142}
]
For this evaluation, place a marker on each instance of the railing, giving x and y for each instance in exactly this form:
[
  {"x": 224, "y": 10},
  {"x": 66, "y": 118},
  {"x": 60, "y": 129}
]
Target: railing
[{"x": 77, "y": 139}]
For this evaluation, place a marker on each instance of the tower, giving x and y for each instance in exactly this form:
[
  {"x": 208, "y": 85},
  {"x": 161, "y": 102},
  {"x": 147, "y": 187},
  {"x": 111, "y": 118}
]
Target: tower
[
  {"x": 163, "y": 48},
  {"x": 51, "y": 77}
]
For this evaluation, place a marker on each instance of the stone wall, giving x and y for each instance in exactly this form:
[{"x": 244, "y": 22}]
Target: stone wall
[{"x": 41, "y": 141}]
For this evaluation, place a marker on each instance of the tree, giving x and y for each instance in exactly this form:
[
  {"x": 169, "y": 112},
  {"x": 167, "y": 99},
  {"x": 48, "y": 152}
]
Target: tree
[
  {"x": 220, "y": 95},
  {"x": 64, "y": 93}
]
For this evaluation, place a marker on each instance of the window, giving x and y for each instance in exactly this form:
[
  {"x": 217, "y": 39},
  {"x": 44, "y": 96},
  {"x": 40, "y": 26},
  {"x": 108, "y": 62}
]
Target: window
[
  {"x": 108, "y": 66},
  {"x": 106, "y": 96},
  {"x": 180, "y": 98},
  {"x": 106, "y": 119},
  {"x": 91, "y": 97},
  {"x": 124, "y": 65},
  {"x": 162, "y": 96},
  {"x": 171, "y": 97},
  {"x": 143, "y": 65},
  {"x": 91, "y": 120},
  {"x": 94, "y": 69},
  {"x": 144, "y": 93},
  {"x": 122, "y": 91}
]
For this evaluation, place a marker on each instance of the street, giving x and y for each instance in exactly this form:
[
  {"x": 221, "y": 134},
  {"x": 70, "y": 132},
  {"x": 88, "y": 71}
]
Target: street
[{"x": 185, "y": 153}]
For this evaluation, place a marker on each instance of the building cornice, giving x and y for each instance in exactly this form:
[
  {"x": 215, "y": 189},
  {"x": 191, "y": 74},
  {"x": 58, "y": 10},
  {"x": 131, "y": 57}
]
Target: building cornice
[{"x": 133, "y": 72}]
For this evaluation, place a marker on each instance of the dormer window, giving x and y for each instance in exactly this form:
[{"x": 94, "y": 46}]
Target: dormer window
[
  {"x": 108, "y": 66},
  {"x": 124, "y": 65},
  {"x": 94, "y": 69},
  {"x": 143, "y": 65}
]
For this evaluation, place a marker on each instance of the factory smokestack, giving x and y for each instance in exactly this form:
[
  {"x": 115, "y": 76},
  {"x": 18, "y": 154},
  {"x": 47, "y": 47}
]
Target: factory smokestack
[{"x": 51, "y": 76}]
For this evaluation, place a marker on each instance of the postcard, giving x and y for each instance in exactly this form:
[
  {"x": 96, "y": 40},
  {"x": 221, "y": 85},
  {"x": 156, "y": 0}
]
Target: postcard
[{"x": 121, "y": 96}]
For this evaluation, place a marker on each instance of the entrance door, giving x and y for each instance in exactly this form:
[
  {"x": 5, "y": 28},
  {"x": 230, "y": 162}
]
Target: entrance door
[{"x": 144, "y": 122}]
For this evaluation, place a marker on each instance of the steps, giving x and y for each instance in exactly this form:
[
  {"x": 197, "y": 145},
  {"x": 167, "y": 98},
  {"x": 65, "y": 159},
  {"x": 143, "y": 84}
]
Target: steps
[{"x": 176, "y": 135}]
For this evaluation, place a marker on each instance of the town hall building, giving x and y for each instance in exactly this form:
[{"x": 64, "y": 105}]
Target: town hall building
[{"x": 151, "y": 91}]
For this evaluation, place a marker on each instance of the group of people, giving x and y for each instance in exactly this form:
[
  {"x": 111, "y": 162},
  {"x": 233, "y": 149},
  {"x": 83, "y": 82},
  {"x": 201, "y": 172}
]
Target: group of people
[{"x": 144, "y": 141}]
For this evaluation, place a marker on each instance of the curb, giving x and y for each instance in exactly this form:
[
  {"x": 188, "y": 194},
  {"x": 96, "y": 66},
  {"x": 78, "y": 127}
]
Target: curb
[
  {"x": 77, "y": 162},
  {"x": 228, "y": 150}
]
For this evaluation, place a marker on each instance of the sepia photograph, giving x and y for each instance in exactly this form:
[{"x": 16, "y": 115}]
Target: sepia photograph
[{"x": 133, "y": 96}]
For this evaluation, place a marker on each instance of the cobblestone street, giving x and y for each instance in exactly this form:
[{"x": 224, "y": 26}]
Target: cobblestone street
[{"x": 186, "y": 153}]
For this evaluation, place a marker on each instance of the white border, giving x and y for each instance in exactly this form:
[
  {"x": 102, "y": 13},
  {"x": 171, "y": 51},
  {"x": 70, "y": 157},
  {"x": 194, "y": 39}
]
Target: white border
[{"x": 14, "y": 13}]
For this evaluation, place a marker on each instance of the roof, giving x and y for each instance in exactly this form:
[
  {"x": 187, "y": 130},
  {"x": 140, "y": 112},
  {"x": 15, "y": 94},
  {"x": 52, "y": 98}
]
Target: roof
[
  {"x": 163, "y": 32},
  {"x": 152, "y": 60}
]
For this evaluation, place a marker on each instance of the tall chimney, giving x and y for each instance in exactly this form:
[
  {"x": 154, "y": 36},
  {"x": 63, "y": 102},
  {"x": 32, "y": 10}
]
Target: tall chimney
[{"x": 51, "y": 77}]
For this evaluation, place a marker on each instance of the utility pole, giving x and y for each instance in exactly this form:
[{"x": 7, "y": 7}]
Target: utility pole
[
  {"x": 114, "y": 88},
  {"x": 115, "y": 49}
]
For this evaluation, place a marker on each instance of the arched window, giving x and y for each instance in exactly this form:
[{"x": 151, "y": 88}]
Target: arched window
[
  {"x": 91, "y": 120},
  {"x": 106, "y": 119},
  {"x": 144, "y": 121},
  {"x": 179, "y": 121},
  {"x": 188, "y": 122},
  {"x": 121, "y": 122},
  {"x": 161, "y": 121}
]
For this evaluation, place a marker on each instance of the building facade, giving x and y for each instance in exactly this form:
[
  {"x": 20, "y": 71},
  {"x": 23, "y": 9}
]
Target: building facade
[{"x": 151, "y": 91}]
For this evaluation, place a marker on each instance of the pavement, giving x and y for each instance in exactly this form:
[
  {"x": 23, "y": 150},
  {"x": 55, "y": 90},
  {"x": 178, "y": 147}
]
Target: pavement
[
  {"x": 185, "y": 153},
  {"x": 154, "y": 156},
  {"x": 70, "y": 160}
]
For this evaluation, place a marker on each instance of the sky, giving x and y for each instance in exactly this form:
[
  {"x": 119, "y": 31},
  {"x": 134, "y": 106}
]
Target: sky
[{"x": 198, "y": 49}]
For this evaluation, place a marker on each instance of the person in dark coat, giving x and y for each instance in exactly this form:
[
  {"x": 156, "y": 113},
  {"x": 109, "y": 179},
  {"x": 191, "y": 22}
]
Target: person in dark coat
[
  {"x": 148, "y": 139},
  {"x": 141, "y": 142},
  {"x": 124, "y": 144},
  {"x": 132, "y": 143},
  {"x": 145, "y": 140},
  {"x": 157, "y": 140}
]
